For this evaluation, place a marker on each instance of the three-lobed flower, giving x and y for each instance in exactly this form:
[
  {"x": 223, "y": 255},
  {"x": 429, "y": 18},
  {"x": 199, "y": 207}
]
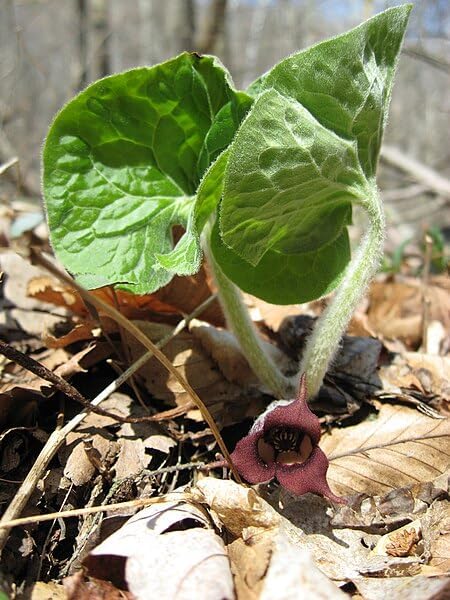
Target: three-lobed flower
[{"x": 283, "y": 444}]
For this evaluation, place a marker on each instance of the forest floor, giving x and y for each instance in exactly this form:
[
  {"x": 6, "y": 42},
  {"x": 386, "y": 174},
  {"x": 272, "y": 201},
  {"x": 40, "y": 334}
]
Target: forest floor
[{"x": 384, "y": 409}]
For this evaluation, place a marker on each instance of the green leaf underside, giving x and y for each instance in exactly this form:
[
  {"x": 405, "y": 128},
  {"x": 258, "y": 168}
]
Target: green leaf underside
[
  {"x": 308, "y": 148},
  {"x": 122, "y": 162},
  {"x": 286, "y": 279}
]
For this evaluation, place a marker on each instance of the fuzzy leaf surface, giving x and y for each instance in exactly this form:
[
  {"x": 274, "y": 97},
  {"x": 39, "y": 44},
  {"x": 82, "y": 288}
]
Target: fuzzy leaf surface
[{"x": 309, "y": 146}]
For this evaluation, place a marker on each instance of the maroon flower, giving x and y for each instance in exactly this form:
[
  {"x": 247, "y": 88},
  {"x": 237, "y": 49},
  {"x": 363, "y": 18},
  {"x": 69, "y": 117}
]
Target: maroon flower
[{"x": 283, "y": 443}]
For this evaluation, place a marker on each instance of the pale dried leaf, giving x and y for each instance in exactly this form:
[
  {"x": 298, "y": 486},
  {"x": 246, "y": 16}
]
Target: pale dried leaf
[
  {"x": 132, "y": 459},
  {"x": 404, "y": 588},
  {"x": 46, "y": 591},
  {"x": 224, "y": 349},
  {"x": 292, "y": 574},
  {"x": 227, "y": 402},
  {"x": 249, "y": 562},
  {"x": 181, "y": 565},
  {"x": 15, "y": 290},
  {"x": 400, "y": 542},
  {"x": 375, "y": 513},
  {"x": 170, "y": 551},
  {"x": 150, "y": 434},
  {"x": 237, "y": 507},
  {"x": 78, "y": 468},
  {"x": 396, "y": 307},
  {"x": 272, "y": 315},
  {"x": 401, "y": 446},
  {"x": 436, "y": 533},
  {"x": 426, "y": 373}
]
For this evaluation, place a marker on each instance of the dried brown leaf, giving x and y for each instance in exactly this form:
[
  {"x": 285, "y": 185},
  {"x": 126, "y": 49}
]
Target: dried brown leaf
[
  {"x": 426, "y": 373},
  {"x": 181, "y": 296},
  {"x": 79, "y": 468},
  {"x": 396, "y": 307},
  {"x": 293, "y": 571},
  {"x": 132, "y": 459},
  {"x": 404, "y": 588},
  {"x": 227, "y": 402},
  {"x": 46, "y": 591},
  {"x": 436, "y": 533},
  {"x": 237, "y": 507},
  {"x": 400, "y": 447}
]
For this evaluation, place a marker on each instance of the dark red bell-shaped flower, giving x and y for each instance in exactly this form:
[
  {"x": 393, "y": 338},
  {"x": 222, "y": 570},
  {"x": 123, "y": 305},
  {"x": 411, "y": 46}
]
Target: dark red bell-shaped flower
[{"x": 283, "y": 444}]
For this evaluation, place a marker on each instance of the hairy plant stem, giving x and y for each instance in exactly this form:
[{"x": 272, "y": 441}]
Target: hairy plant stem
[
  {"x": 240, "y": 323},
  {"x": 324, "y": 341}
]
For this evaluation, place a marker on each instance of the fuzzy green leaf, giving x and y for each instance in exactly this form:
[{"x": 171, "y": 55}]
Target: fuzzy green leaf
[
  {"x": 122, "y": 163},
  {"x": 308, "y": 149}
]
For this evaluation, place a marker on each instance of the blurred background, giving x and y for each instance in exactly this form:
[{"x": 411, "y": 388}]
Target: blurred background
[{"x": 51, "y": 49}]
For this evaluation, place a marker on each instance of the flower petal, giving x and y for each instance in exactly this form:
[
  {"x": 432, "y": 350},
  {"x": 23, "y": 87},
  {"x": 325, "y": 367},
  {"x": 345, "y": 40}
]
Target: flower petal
[
  {"x": 307, "y": 477},
  {"x": 295, "y": 415},
  {"x": 247, "y": 461}
]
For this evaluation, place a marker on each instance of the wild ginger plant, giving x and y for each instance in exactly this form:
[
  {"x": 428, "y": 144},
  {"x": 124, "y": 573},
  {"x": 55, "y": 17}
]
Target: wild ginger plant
[{"x": 263, "y": 182}]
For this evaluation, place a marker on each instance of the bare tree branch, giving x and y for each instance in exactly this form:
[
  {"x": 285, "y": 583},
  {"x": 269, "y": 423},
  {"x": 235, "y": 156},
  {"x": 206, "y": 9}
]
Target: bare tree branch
[{"x": 417, "y": 170}]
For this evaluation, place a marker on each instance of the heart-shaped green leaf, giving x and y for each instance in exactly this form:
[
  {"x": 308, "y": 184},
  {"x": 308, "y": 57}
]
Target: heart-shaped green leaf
[{"x": 122, "y": 163}]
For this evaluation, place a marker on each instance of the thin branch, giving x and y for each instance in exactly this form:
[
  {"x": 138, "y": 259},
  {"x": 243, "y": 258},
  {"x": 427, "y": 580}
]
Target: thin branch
[
  {"x": 404, "y": 193},
  {"x": 431, "y": 59},
  {"x": 58, "y": 436},
  {"x": 8, "y": 164},
  {"x": 61, "y": 384},
  {"x": 417, "y": 170},
  {"x": 65, "y": 514},
  {"x": 215, "y": 26}
]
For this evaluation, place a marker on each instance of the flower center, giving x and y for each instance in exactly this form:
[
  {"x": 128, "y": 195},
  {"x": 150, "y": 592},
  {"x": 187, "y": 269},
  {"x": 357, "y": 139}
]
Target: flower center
[{"x": 283, "y": 439}]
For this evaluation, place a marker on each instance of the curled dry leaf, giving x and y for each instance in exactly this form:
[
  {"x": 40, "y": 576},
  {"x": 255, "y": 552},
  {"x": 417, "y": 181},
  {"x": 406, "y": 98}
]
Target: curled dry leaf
[
  {"x": 80, "y": 466},
  {"x": 292, "y": 570},
  {"x": 400, "y": 447},
  {"x": 134, "y": 444},
  {"x": 168, "y": 550},
  {"x": 255, "y": 524},
  {"x": 22, "y": 310},
  {"x": 401, "y": 542},
  {"x": 269, "y": 552},
  {"x": 181, "y": 296},
  {"x": 376, "y": 513},
  {"x": 224, "y": 349},
  {"x": 237, "y": 507},
  {"x": 425, "y": 373},
  {"x": 436, "y": 535},
  {"x": 404, "y": 588}
]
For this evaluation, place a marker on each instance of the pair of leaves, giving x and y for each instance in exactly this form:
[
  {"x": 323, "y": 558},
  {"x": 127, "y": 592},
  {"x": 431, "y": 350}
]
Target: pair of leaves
[{"x": 142, "y": 151}]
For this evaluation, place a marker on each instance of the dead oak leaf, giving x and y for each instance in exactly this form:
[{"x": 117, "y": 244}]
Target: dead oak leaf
[{"x": 400, "y": 447}]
